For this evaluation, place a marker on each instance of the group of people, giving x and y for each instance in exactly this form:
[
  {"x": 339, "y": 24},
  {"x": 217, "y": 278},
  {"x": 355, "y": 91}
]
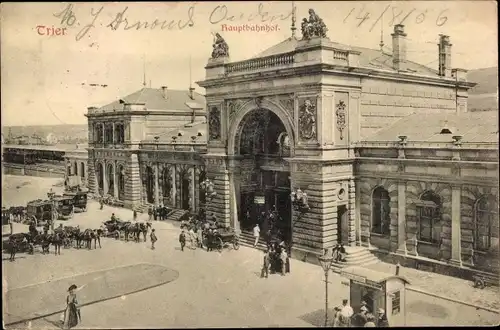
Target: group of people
[
  {"x": 345, "y": 317},
  {"x": 276, "y": 260},
  {"x": 195, "y": 228},
  {"x": 158, "y": 213}
]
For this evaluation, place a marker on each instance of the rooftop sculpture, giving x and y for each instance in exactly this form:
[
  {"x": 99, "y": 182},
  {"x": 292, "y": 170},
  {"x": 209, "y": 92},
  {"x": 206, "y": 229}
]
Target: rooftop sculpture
[
  {"x": 314, "y": 27},
  {"x": 221, "y": 49}
]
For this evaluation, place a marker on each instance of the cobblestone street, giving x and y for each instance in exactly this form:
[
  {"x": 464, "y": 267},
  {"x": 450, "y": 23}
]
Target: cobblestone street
[{"x": 213, "y": 289}]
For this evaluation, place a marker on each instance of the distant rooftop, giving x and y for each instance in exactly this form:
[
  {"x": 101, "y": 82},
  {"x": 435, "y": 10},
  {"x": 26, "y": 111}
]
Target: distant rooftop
[
  {"x": 369, "y": 58},
  {"x": 154, "y": 100},
  {"x": 56, "y": 147},
  {"x": 475, "y": 127},
  {"x": 198, "y": 129}
]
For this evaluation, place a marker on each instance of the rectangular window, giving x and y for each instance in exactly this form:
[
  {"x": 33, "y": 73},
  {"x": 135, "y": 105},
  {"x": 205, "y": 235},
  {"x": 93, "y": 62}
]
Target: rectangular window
[
  {"x": 396, "y": 303},
  {"x": 429, "y": 220}
]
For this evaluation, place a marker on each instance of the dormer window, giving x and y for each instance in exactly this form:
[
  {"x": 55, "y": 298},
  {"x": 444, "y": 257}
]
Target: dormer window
[{"x": 446, "y": 130}]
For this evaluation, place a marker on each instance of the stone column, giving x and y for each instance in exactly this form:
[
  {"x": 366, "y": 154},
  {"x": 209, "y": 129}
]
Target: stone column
[
  {"x": 178, "y": 186},
  {"x": 358, "y": 213},
  {"x": 105, "y": 179},
  {"x": 352, "y": 212},
  {"x": 103, "y": 132},
  {"x": 456, "y": 244},
  {"x": 173, "y": 178},
  {"x": 402, "y": 218},
  {"x": 113, "y": 128},
  {"x": 192, "y": 189},
  {"x": 115, "y": 181},
  {"x": 92, "y": 181},
  {"x": 157, "y": 189},
  {"x": 235, "y": 223},
  {"x": 218, "y": 173},
  {"x": 197, "y": 188},
  {"x": 133, "y": 182}
]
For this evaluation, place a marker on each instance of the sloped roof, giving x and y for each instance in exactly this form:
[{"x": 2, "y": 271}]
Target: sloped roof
[
  {"x": 154, "y": 100},
  {"x": 369, "y": 58},
  {"x": 188, "y": 131},
  {"x": 476, "y": 127}
]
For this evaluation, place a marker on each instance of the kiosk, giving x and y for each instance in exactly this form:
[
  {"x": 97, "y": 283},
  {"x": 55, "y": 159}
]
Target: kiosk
[{"x": 378, "y": 290}]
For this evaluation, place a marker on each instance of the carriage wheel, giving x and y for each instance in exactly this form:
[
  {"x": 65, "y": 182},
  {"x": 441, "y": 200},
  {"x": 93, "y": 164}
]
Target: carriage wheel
[
  {"x": 220, "y": 245},
  {"x": 236, "y": 244},
  {"x": 479, "y": 283}
]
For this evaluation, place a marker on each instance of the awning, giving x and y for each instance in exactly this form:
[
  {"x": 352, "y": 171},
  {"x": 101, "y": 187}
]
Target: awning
[{"x": 369, "y": 277}]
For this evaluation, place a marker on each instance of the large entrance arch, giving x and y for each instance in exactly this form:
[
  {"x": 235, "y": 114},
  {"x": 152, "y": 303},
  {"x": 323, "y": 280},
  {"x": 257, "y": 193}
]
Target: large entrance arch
[{"x": 261, "y": 141}]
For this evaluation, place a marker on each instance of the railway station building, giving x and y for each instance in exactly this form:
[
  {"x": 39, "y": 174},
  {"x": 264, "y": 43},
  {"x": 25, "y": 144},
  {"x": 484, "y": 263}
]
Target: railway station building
[{"x": 384, "y": 149}]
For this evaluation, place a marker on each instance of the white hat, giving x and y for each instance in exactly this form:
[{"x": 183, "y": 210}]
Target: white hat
[
  {"x": 381, "y": 311},
  {"x": 364, "y": 309}
]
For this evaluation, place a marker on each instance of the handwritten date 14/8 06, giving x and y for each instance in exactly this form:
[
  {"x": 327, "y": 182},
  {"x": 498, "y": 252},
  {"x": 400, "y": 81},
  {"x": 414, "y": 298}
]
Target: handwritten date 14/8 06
[{"x": 397, "y": 16}]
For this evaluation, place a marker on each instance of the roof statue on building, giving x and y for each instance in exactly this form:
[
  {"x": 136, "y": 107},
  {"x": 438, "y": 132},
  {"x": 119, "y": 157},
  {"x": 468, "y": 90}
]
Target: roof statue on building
[
  {"x": 221, "y": 49},
  {"x": 314, "y": 27}
]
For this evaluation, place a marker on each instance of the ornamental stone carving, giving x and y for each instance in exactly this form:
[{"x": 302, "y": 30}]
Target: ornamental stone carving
[
  {"x": 234, "y": 106},
  {"x": 341, "y": 118},
  {"x": 214, "y": 127},
  {"x": 314, "y": 27},
  {"x": 220, "y": 47},
  {"x": 288, "y": 103},
  {"x": 307, "y": 120},
  {"x": 308, "y": 168}
]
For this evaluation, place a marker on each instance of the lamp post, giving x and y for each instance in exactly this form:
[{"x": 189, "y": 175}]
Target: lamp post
[
  {"x": 326, "y": 261},
  {"x": 51, "y": 196}
]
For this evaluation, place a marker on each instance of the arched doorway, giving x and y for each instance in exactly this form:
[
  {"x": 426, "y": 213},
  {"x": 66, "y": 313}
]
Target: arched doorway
[
  {"x": 150, "y": 185},
  {"x": 121, "y": 182},
  {"x": 110, "y": 170},
  {"x": 75, "y": 168},
  {"x": 262, "y": 142},
  {"x": 166, "y": 186},
  {"x": 381, "y": 218},
  {"x": 184, "y": 189},
  {"x": 100, "y": 177}
]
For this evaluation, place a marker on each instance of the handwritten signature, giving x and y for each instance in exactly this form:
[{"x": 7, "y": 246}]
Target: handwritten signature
[
  {"x": 220, "y": 13},
  {"x": 398, "y": 16}
]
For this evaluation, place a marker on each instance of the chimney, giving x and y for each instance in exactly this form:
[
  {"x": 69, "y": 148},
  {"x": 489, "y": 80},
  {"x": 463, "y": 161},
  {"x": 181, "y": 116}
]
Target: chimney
[
  {"x": 164, "y": 91},
  {"x": 444, "y": 47},
  {"x": 399, "y": 47},
  {"x": 191, "y": 90}
]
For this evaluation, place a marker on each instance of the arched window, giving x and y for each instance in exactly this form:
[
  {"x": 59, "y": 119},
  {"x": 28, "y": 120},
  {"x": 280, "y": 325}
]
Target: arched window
[
  {"x": 110, "y": 173},
  {"x": 100, "y": 177},
  {"x": 75, "y": 167},
  {"x": 381, "y": 211},
  {"x": 82, "y": 169},
  {"x": 429, "y": 214},
  {"x": 166, "y": 186},
  {"x": 121, "y": 182},
  {"x": 486, "y": 223}
]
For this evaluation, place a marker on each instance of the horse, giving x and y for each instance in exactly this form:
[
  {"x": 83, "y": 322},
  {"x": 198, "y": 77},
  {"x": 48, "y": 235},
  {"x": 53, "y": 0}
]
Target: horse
[
  {"x": 127, "y": 228},
  {"x": 87, "y": 236},
  {"x": 97, "y": 237},
  {"x": 56, "y": 240},
  {"x": 137, "y": 229}
]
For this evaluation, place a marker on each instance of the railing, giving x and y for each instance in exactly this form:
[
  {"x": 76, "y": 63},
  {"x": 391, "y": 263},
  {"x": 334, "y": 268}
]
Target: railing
[
  {"x": 340, "y": 55},
  {"x": 261, "y": 63}
]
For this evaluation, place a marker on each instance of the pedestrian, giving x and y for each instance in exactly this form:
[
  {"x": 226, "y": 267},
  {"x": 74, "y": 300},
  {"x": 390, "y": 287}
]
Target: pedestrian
[
  {"x": 370, "y": 321},
  {"x": 256, "y": 234},
  {"x": 359, "y": 319},
  {"x": 101, "y": 203},
  {"x": 153, "y": 239},
  {"x": 113, "y": 217},
  {"x": 364, "y": 307},
  {"x": 155, "y": 213},
  {"x": 336, "y": 317},
  {"x": 283, "y": 258},
  {"x": 135, "y": 215},
  {"x": 11, "y": 223},
  {"x": 182, "y": 239},
  {"x": 265, "y": 265},
  {"x": 72, "y": 313},
  {"x": 346, "y": 313},
  {"x": 382, "y": 321},
  {"x": 13, "y": 248}
]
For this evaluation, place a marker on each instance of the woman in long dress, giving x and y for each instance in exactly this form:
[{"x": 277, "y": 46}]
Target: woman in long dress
[{"x": 71, "y": 314}]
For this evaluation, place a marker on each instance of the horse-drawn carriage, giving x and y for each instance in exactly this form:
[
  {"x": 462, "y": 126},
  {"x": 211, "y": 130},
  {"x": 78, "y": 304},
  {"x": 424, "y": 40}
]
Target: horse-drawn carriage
[
  {"x": 79, "y": 197},
  {"x": 40, "y": 209},
  {"x": 64, "y": 207},
  {"x": 218, "y": 239},
  {"x": 117, "y": 227}
]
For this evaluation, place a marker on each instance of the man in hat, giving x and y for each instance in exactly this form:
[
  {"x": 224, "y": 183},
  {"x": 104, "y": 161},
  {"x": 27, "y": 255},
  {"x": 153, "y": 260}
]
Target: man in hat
[
  {"x": 266, "y": 264},
  {"x": 346, "y": 313},
  {"x": 153, "y": 239},
  {"x": 364, "y": 307},
  {"x": 360, "y": 319},
  {"x": 382, "y": 321}
]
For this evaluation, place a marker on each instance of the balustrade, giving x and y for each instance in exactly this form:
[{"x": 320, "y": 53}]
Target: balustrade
[{"x": 261, "y": 63}]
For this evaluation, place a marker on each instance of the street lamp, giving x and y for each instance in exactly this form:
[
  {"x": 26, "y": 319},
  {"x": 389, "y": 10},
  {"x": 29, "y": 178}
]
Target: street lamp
[{"x": 326, "y": 261}]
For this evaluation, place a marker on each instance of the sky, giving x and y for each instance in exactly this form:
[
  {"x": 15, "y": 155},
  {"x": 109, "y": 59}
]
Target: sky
[{"x": 46, "y": 79}]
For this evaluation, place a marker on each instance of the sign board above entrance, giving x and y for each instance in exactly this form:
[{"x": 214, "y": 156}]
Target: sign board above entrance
[{"x": 259, "y": 200}]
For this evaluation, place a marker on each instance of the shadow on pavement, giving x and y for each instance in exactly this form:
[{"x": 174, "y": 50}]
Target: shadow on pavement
[
  {"x": 46, "y": 299},
  {"x": 317, "y": 318}
]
